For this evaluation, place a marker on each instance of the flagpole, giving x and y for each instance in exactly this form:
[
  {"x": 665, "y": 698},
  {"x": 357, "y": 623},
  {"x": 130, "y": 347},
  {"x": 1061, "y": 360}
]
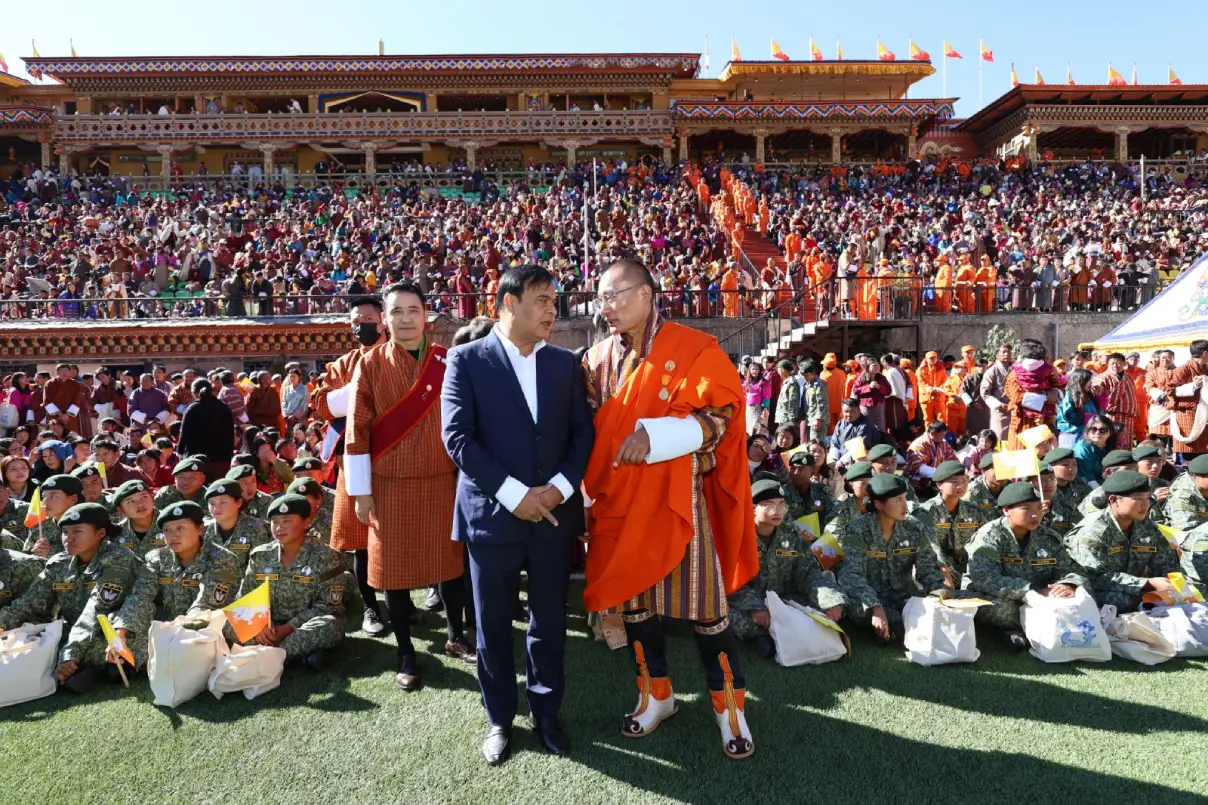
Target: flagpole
[
  {"x": 945, "y": 71},
  {"x": 981, "y": 61}
]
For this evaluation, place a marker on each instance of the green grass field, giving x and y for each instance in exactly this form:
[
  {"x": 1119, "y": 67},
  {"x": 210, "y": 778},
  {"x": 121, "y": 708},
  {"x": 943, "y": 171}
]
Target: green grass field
[{"x": 872, "y": 729}]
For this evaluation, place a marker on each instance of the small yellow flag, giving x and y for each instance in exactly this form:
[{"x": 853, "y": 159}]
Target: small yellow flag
[
  {"x": 1016, "y": 464},
  {"x": 116, "y": 643},
  {"x": 809, "y": 526},
  {"x": 855, "y": 448},
  {"x": 36, "y": 513},
  {"x": 250, "y": 615},
  {"x": 1034, "y": 436},
  {"x": 101, "y": 471},
  {"x": 827, "y": 550}
]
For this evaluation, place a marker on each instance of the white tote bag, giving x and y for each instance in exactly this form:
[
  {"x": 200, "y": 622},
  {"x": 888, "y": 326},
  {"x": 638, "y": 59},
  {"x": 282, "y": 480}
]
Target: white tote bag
[
  {"x": 938, "y": 635},
  {"x": 800, "y": 639},
  {"x": 1064, "y": 629},
  {"x": 180, "y": 660},
  {"x": 1185, "y": 626},
  {"x": 1134, "y": 636},
  {"x": 10, "y": 417},
  {"x": 251, "y": 669},
  {"x": 28, "y": 658}
]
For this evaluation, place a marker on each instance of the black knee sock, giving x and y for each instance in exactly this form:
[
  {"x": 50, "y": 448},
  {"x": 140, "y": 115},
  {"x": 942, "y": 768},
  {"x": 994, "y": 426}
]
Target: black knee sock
[
  {"x": 712, "y": 644},
  {"x": 453, "y": 593},
  {"x": 360, "y": 569},
  {"x": 647, "y": 632},
  {"x": 398, "y": 603}
]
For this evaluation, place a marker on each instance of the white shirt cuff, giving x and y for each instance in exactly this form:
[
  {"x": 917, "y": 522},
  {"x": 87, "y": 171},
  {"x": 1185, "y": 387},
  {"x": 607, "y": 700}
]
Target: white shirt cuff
[
  {"x": 337, "y": 400},
  {"x": 358, "y": 475},
  {"x": 162, "y": 416},
  {"x": 52, "y": 409},
  {"x": 73, "y": 410},
  {"x": 562, "y": 485},
  {"x": 510, "y": 493},
  {"x": 243, "y": 418},
  {"x": 1185, "y": 390},
  {"x": 671, "y": 437},
  {"x": 139, "y": 417},
  {"x": 29, "y": 415},
  {"x": 926, "y": 470}
]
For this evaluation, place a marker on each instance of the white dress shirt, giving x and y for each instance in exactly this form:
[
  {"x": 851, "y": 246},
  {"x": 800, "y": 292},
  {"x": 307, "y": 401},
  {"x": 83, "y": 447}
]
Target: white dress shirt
[{"x": 512, "y": 491}]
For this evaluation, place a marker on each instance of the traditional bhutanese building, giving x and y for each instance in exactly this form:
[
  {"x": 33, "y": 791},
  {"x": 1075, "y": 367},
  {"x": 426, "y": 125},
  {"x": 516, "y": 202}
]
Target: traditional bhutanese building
[{"x": 362, "y": 114}]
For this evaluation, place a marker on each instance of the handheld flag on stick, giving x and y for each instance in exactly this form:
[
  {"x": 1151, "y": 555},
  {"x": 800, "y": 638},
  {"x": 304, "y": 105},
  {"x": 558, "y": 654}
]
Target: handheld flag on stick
[
  {"x": 36, "y": 512},
  {"x": 104, "y": 473},
  {"x": 118, "y": 646},
  {"x": 1034, "y": 436},
  {"x": 1016, "y": 464},
  {"x": 809, "y": 526},
  {"x": 855, "y": 447},
  {"x": 250, "y": 614}
]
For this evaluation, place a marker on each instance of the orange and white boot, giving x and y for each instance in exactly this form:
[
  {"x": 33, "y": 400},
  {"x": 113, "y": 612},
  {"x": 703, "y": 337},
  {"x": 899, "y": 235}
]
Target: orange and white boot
[
  {"x": 729, "y": 705},
  {"x": 656, "y": 701}
]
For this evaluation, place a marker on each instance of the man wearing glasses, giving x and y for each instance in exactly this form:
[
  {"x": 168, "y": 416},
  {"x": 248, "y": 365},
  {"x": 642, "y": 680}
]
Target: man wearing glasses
[{"x": 671, "y": 527}]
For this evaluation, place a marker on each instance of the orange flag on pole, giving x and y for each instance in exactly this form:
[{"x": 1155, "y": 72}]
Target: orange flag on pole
[
  {"x": 3, "y": 64},
  {"x": 1172, "y": 78},
  {"x": 884, "y": 53},
  {"x": 1039, "y": 77},
  {"x": 839, "y": 49},
  {"x": 986, "y": 53},
  {"x": 917, "y": 53},
  {"x": 777, "y": 53},
  {"x": 36, "y": 513},
  {"x": 1114, "y": 78},
  {"x": 116, "y": 643},
  {"x": 949, "y": 53},
  {"x": 734, "y": 54},
  {"x": 815, "y": 51},
  {"x": 250, "y": 614},
  {"x": 1014, "y": 77},
  {"x": 1069, "y": 75}
]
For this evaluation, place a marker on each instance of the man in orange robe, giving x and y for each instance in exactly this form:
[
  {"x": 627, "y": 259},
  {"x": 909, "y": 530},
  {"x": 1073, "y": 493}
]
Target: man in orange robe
[
  {"x": 932, "y": 376},
  {"x": 968, "y": 359},
  {"x": 672, "y": 532},
  {"x": 729, "y": 291},
  {"x": 836, "y": 386},
  {"x": 964, "y": 280},
  {"x": 954, "y": 414},
  {"x": 943, "y": 286},
  {"x": 987, "y": 284},
  {"x": 912, "y": 386}
]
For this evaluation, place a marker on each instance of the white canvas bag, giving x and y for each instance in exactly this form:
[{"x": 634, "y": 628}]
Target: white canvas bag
[
  {"x": 251, "y": 669},
  {"x": 938, "y": 635},
  {"x": 1134, "y": 636},
  {"x": 1185, "y": 626},
  {"x": 1064, "y": 629},
  {"x": 799, "y": 638},
  {"x": 28, "y": 657},
  {"x": 180, "y": 660}
]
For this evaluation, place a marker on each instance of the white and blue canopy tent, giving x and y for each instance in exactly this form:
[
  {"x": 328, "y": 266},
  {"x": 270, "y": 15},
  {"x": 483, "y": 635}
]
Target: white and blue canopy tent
[{"x": 1171, "y": 320}]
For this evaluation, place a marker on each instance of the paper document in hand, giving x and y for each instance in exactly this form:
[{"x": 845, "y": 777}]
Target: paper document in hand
[
  {"x": 855, "y": 448},
  {"x": 1034, "y": 402},
  {"x": 250, "y": 614},
  {"x": 1034, "y": 436},
  {"x": 1016, "y": 464},
  {"x": 116, "y": 643}
]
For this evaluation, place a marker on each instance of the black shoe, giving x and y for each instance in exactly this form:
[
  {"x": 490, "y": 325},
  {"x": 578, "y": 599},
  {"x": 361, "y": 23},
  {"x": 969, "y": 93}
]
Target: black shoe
[
  {"x": 113, "y": 676},
  {"x": 82, "y": 680},
  {"x": 1014, "y": 642},
  {"x": 765, "y": 647},
  {"x": 497, "y": 745},
  {"x": 885, "y": 642},
  {"x": 372, "y": 624},
  {"x": 521, "y": 613},
  {"x": 551, "y": 735},
  {"x": 433, "y": 603},
  {"x": 317, "y": 659}
]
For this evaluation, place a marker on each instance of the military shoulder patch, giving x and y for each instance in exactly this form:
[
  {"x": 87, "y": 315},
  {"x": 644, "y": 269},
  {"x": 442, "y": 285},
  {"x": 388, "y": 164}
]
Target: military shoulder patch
[
  {"x": 110, "y": 592},
  {"x": 221, "y": 593},
  {"x": 335, "y": 595}
]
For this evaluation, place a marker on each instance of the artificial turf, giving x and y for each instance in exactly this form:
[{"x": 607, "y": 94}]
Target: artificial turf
[{"x": 875, "y": 728}]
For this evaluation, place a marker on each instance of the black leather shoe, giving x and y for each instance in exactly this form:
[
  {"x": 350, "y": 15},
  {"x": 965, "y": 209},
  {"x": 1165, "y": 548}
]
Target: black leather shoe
[
  {"x": 1014, "y": 642},
  {"x": 497, "y": 745},
  {"x": 82, "y": 680},
  {"x": 317, "y": 659},
  {"x": 433, "y": 603},
  {"x": 765, "y": 647},
  {"x": 551, "y": 735}
]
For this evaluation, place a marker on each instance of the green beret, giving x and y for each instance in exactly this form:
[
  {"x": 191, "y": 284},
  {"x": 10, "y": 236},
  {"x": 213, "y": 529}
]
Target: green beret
[
  {"x": 1046, "y": 468},
  {"x": 305, "y": 486},
  {"x": 885, "y": 486},
  {"x": 1148, "y": 451},
  {"x": 190, "y": 464},
  {"x": 1126, "y": 482},
  {"x": 63, "y": 483},
  {"x": 765, "y": 489},
  {"x": 786, "y": 364},
  {"x": 948, "y": 469},
  {"x": 858, "y": 471},
  {"x": 1198, "y": 465},
  {"x": 290, "y": 504},
  {"x": 879, "y": 452},
  {"x": 802, "y": 458},
  {"x": 1058, "y": 454},
  {"x": 88, "y": 514},
  {"x": 224, "y": 486},
  {"x": 1118, "y": 458},
  {"x": 307, "y": 464},
  {"x": 987, "y": 462},
  {"x": 239, "y": 471},
  {"x": 129, "y": 490},
  {"x": 185, "y": 510},
  {"x": 86, "y": 471},
  {"x": 1018, "y": 493}
]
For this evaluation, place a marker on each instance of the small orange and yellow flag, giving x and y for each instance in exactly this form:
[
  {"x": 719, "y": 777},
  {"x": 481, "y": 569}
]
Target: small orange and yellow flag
[
  {"x": 777, "y": 53},
  {"x": 734, "y": 54},
  {"x": 250, "y": 614},
  {"x": 884, "y": 53},
  {"x": 1069, "y": 75},
  {"x": 116, "y": 643},
  {"x": 815, "y": 51},
  {"x": 36, "y": 513},
  {"x": 1171, "y": 78},
  {"x": 1114, "y": 78},
  {"x": 1014, "y": 77},
  {"x": 1011, "y": 464},
  {"x": 3, "y": 64},
  {"x": 917, "y": 53},
  {"x": 986, "y": 53},
  {"x": 951, "y": 53},
  {"x": 839, "y": 49},
  {"x": 1039, "y": 77}
]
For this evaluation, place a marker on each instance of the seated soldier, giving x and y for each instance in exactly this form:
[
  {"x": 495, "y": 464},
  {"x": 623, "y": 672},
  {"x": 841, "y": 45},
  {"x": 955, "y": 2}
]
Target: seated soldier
[
  {"x": 229, "y": 526},
  {"x": 93, "y": 576},
  {"x": 188, "y": 483},
  {"x": 856, "y": 481},
  {"x": 307, "y": 590},
  {"x": 138, "y": 531},
  {"x": 12, "y": 516},
  {"x": 94, "y": 486},
  {"x": 59, "y": 493},
  {"x": 805, "y": 496},
  {"x": 1151, "y": 460},
  {"x": 1118, "y": 554},
  {"x": 1113, "y": 462},
  {"x": 1012, "y": 555},
  {"x": 188, "y": 574},
  {"x": 1061, "y": 488},
  {"x": 308, "y": 468},
  {"x": 17, "y": 572},
  {"x": 786, "y": 566},
  {"x": 985, "y": 489},
  {"x": 1194, "y": 558},
  {"x": 322, "y": 504},
  {"x": 888, "y": 559},
  {"x": 255, "y": 502},
  {"x": 884, "y": 459},
  {"x": 953, "y": 520},
  {"x": 1187, "y": 505}
]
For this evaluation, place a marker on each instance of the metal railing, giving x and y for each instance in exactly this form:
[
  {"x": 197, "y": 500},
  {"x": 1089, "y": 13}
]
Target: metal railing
[{"x": 251, "y": 180}]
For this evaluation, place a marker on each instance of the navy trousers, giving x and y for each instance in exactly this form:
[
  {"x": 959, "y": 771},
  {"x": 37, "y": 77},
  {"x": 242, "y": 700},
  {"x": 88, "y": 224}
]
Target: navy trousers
[{"x": 495, "y": 576}]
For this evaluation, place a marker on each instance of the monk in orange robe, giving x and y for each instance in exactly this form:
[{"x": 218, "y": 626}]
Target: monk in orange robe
[
  {"x": 729, "y": 295},
  {"x": 1105, "y": 280},
  {"x": 672, "y": 532},
  {"x": 1080, "y": 278},
  {"x": 853, "y": 370},
  {"x": 968, "y": 359},
  {"x": 954, "y": 414},
  {"x": 987, "y": 281},
  {"x": 836, "y": 386},
  {"x": 912, "y": 387},
  {"x": 763, "y": 216},
  {"x": 932, "y": 376},
  {"x": 964, "y": 280},
  {"x": 943, "y": 286}
]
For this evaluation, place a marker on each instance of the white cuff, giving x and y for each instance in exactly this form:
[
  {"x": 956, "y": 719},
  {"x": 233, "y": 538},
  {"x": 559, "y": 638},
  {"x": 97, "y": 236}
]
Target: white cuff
[
  {"x": 162, "y": 416},
  {"x": 926, "y": 470},
  {"x": 29, "y": 415},
  {"x": 1185, "y": 390},
  {"x": 358, "y": 475},
  {"x": 139, "y": 417},
  {"x": 180, "y": 409},
  {"x": 337, "y": 400},
  {"x": 74, "y": 410},
  {"x": 671, "y": 437},
  {"x": 511, "y": 493},
  {"x": 243, "y": 418},
  {"x": 562, "y": 485},
  {"x": 52, "y": 409},
  {"x": 1156, "y": 394}
]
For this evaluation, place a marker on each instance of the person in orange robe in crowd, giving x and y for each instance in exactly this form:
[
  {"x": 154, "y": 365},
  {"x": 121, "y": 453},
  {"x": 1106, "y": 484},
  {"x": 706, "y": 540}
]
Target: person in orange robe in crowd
[
  {"x": 912, "y": 387},
  {"x": 729, "y": 288},
  {"x": 955, "y": 410},
  {"x": 943, "y": 286},
  {"x": 968, "y": 359},
  {"x": 987, "y": 281},
  {"x": 1137, "y": 372},
  {"x": 853, "y": 369},
  {"x": 963, "y": 281},
  {"x": 1080, "y": 278},
  {"x": 792, "y": 246},
  {"x": 883, "y": 290},
  {"x": 932, "y": 375},
  {"x": 763, "y": 216},
  {"x": 836, "y": 386},
  {"x": 1105, "y": 280}
]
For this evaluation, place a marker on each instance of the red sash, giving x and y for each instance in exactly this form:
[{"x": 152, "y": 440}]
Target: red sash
[{"x": 402, "y": 417}]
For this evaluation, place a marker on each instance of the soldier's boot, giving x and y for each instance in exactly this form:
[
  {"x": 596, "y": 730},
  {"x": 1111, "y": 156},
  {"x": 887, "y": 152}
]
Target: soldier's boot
[
  {"x": 656, "y": 700},
  {"x": 1014, "y": 641},
  {"x": 317, "y": 659},
  {"x": 727, "y": 686},
  {"x": 81, "y": 681},
  {"x": 765, "y": 647}
]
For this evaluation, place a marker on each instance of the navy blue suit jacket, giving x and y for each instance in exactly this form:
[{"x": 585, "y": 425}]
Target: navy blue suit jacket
[{"x": 490, "y": 434}]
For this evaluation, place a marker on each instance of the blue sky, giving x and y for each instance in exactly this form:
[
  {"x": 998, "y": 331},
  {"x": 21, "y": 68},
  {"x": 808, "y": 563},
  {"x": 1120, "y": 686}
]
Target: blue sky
[{"x": 1026, "y": 32}]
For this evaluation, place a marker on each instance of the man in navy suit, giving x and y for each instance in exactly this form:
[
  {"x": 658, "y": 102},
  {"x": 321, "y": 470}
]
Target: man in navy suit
[{"x": 517, "y": 424}]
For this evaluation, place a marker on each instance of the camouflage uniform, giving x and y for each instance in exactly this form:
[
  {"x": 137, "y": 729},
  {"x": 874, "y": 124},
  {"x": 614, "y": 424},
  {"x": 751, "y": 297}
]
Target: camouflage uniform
[
  {"x": 1096, "y": 501},
  {"x": 1195, "y": 556},
  {"x": 248, "y": 534},
  {"x": 170, "y": 494},
  {"x": 12, "y": 518},
  {"x": 320, "y": 527},
  {"x": 209, "y": 582},
  {"x": 81, "y": 592},
  {"x": 49, "y": 531},
  {"x": 309, "y": 595},
  {"x": 17, "y": 572},
  {"x": 106, "y": 500},
  {"x": 875, "y": 572},
  {"x": 817, "y": 407},
  {"x": 843, "y": 513},
  {"x": 1186, "y": 506},
  {"x": 1114, "y": 566},
  {"x": 985, "y": 499},
  {"x": 952, "y": 531},
  {"x": 141, "y": 544},
  {"x": 258, "y": 506},
  {"x": 787, "y": 566},
  {"x": 11, "y": 542},
  {"x": 817, "y": 498},
  {"x": 1003, "y": 570},
  {"x": 1063, "y": 510}
]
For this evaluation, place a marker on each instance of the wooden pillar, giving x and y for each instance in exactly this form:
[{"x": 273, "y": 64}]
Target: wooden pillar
[
  {"x": 683, "y": 145},
  {"x": 46, "y": 152},
  {"x": 1122, "y": 144},
  {"x": 912, "y": 142},
  {"x": 370, "y": 160},
  {"x": 836, "y": 134},
  {"x": 760, "y": 143},
  {"x": 165, "y": 165}
]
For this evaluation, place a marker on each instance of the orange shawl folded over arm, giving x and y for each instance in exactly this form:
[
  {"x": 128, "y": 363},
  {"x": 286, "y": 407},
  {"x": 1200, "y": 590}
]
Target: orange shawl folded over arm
[{"x": 642, "y": 515}]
